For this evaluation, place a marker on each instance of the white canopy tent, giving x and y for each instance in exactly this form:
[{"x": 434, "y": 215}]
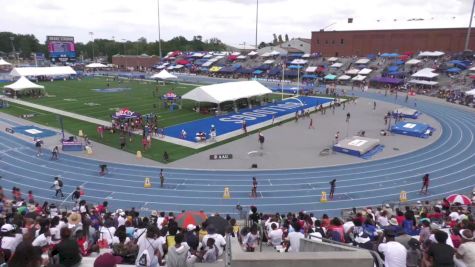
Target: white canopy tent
[
  {"x": 163, "y": 75},
  {"x": 311, "y": 69},
  {"x": 413, "y": 61},
  {"x": 4, "y": 63},
  {"x": 252, "y": 53},
  {"x": 235, "y": 53},
  {"x": 222, "y": 92},
  {"x": 299, "y": 61},
  {"x": 422, "y": 82},
  {"x": 472, "y": 69},
  {"x": 305, "y": 55},
  {"x": 242, "y": 57},
  {"x": 362, "y": 61},
  {"x": 359, "y": 78},
  {"x": 365, "y": 71},
  {"x": 274, "y": 53},
  {"x": 470, "y": 92},
  {"x": 96, "y": 65},
  {"x": 43, "y": 71},
  {"x": 336, "y": 65},
  {"x": 425, "y": 73},
  {"x": 269, "y": 61},
  {"x": 352, "y": 71},
  {"x": 431, "y": 54},
  {"x": 333, "y": 59},
  {"x": 23, "y": 83},
  {"x": 344, "y": 78}
]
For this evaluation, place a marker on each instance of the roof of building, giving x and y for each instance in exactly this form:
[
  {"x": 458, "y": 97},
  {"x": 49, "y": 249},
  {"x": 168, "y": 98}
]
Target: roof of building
[
  {"x": 400, "y": 24},
  {"x": 306, "y": 40}
]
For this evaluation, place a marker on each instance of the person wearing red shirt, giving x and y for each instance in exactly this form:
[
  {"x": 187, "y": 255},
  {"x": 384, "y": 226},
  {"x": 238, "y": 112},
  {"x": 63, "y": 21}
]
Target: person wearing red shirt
[
  {"x": 400, "y": 217},
  {"x": 102, "y": 208}
]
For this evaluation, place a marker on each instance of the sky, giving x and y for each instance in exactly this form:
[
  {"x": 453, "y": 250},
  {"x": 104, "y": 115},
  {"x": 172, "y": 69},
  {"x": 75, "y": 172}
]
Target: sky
[{"x": 231, "y": 21}]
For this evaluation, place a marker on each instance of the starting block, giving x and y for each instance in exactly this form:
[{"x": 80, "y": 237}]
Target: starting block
[
  {"x": 139, "y": 154},
  {"x": 226, "y": 194},
  {"x": 147, "y": 183},
  {"x": 323, "y": 198},
  {"x": 80, "y": 134},
  {"x": 403, "y": 197},
  {"x": 88, "y": 150}
]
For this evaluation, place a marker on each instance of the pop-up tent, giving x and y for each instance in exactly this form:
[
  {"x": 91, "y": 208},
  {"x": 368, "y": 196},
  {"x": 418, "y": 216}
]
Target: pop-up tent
[
  {"x": 96, "y": 66},
  {"x": 163, "y": 75},
  {"x": 23, "y": 83},
  {"x": 222, "y": 92},
  {"x": 43, "y": 71},
  {"x": 4, "y": 63}
]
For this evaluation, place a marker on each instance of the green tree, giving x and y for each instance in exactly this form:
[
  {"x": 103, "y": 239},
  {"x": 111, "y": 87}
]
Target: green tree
[
  {"x": 280, "y": 39},
  {"x": 286, "y": 37}
]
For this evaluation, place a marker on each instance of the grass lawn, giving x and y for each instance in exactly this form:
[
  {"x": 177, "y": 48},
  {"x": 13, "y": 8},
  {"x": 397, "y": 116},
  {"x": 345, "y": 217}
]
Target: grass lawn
[{"x": 78, "y": 97}]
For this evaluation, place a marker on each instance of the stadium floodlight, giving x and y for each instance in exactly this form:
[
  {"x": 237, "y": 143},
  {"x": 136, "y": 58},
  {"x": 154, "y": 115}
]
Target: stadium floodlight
[
  {"x": 469, "y": 27},
  {"x": 92, "y": 44}
]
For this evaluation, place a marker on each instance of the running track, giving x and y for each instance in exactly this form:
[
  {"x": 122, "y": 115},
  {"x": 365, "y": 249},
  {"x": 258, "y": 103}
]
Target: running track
[{"x": 449, "y": 160}]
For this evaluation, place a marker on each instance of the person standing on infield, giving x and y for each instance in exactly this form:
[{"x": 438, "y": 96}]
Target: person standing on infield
[
  {"x": 332, "y": 188},
  {"x": 162, "y": 178},
  {"x": 425, "y": 184}
]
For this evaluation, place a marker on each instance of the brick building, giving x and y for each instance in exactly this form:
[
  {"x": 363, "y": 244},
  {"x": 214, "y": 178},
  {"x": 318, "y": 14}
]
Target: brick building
[
  {"x": 136, "y": 62},
  {"x": 352, "y": 39}
]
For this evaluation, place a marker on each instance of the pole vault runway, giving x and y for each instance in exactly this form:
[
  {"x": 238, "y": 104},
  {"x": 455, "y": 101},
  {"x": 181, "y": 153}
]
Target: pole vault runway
[{"x": 449, "y": 160}]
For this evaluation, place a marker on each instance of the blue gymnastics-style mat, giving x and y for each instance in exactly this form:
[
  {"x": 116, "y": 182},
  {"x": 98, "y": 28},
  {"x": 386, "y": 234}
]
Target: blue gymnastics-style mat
[
  {"x": 410, "y": 128},
  {"x": 34, "y": 131}
]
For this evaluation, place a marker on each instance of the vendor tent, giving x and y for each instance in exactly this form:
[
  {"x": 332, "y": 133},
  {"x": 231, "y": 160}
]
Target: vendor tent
[
  {"x": 222, "y": 92},
  {"x": 311, "y": 69},
  {"x": 422, "y": 82},
  {"x": 330, "y": 77},
  {"x": 352, "y": 71},
  {"x": 344, "y": 78},
  {"x": 269, "y": 61},
  {"x": 413, "y": 61},
  {"x": 425, "y": 73},
  {"x": 299, "y": 61},
  {"x": 96, "y": 66},
  {"x": 362, "y": 61},
  {"x": 4, "y": 63},
  {"x": 359, "y": 78},
  {"x": 336, "y": 65},
  {"x": 365, "y": 71},
  {"x": 43, "y": 71},
  {"x": 163, "y": 75},
  {"x": 431, "y": 54},
  {"x": 470, "y": 92},
  {"x": 252, "y": 53},
  {"x": 333, "y": 59},
  {"x": 23, "y": 83}
]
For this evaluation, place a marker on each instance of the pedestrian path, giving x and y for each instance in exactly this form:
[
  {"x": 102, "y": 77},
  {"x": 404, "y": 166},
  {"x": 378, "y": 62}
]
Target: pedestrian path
[{"x": 59, "y": 112}]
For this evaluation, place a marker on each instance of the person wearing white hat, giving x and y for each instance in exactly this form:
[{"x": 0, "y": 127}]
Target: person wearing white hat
[
  {"x": 10, "y": 239},
  {"x": 466, "y": 251}
]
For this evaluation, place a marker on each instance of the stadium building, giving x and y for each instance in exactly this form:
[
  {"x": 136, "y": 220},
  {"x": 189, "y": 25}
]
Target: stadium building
[{"x": 360, "y": 38}]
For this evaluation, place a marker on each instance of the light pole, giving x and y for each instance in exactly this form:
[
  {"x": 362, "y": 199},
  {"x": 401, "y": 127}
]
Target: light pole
[
  {"x": 469, "y": 27},
  {"x": 92, "y": 44},
  {"x": 13, "y": 46},
  {"x": 124, "y": 41},
  {"x": 159, "y": 39},
  {"x": 257, "y": 17}
]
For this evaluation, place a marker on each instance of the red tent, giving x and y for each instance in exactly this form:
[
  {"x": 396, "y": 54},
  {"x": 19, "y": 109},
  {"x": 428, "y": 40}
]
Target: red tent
[
  {"x": 232, "y": 58},
  {"x": 403, "y": 57},
  {"x": 472, "y": 77},
  {"x": 182, "y": 62},
  {"x": 408, "y": 53}
]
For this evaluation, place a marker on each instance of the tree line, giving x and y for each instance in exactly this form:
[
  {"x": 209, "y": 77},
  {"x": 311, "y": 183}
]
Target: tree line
[{"x": 25, "y": 44}]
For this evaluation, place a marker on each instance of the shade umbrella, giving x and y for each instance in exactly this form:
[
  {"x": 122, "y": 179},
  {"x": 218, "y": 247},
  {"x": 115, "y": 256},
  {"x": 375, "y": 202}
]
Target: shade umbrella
[
  {"x": 461, "y": 199},
  {"x": 190, "y": 217},
  {"x": 219, "y": 223}
]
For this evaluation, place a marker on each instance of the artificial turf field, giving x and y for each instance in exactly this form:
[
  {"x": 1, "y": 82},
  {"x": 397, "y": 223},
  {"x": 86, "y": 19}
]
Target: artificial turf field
[{"x": 79, "y": 97}]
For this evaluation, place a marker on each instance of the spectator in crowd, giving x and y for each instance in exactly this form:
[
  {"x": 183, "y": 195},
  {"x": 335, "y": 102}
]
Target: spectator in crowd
[
  {"x": 275, "y": 235},
  {"x": 440, "y": 253},
  {"x": 293, "y": 238},
  {"x": 220, "y": 242},
  {"x": 466, "y": 251},
  {"x": 394, "y": 253},
  {"x": 26, "y": 255},
  {"x": 67, "y": 250}
]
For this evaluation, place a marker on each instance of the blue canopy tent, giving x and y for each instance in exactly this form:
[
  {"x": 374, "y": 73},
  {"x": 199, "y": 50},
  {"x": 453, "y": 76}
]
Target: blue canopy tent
[
  {"x": 227, "y": 70},
  {"x": 399, "y": 62},
  {"x": 295, "y": 67},
  {"x": 393, "y": 68},
  {"x": 461, "y": 66},
  {"x": 371, "y": 56},
  {"x": 454, "y": 70},
  {"x": 397, "y": 74},
  {"x": 245, "y": 71},
  {"x": 274, "y": 71},
  {"x": 257, "y": 72},
  {"x": 290, "y": 73},
  {"x": 389, "y": 55},
  {"x": 309, "y": 76},
  {"x": 263, "y": 67},
  {"x": 200, "y": 61},
  {"x": 330, "y": 77}
]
